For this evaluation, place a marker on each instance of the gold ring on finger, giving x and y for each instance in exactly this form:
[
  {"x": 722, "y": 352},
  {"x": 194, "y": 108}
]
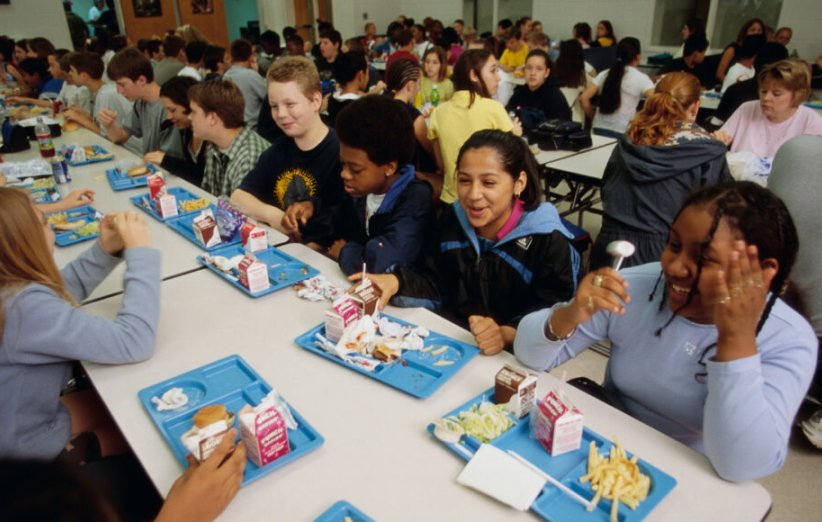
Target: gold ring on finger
[
  {"x": 723, "y": 301},
  {"x": 736, "y": 291},
  {"x": 597, "y": 280},
  {"x": 591, "y": 303},
  {"x": 748, "y": 282}
]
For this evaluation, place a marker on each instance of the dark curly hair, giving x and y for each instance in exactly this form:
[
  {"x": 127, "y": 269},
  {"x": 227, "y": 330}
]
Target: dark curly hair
[{"x": 380, "y": 126}]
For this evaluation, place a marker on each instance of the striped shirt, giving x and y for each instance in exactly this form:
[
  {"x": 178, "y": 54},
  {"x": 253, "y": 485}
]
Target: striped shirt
[{"x": 225, "y": 170}]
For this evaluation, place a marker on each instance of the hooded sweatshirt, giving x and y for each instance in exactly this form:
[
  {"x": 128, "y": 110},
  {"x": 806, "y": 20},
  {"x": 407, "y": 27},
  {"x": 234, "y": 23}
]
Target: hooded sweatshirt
[
  {"x": 645, "y": 185},
  {"x": 531, "y": 267}
]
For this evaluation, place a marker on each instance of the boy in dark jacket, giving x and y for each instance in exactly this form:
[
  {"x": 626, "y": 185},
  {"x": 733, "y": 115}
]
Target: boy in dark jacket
[{"x": 384, "y": 221}]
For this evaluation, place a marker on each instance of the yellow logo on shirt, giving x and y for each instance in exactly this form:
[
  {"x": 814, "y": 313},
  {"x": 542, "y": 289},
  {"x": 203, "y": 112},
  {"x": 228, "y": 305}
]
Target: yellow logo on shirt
[{"x": 294, "y": 185}]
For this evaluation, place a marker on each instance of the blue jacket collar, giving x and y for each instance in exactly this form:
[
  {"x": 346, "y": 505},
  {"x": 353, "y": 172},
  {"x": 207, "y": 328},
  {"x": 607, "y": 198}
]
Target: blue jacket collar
[
  {"x": 405, "y": 176},
  {"x": 542, "y": 220}
]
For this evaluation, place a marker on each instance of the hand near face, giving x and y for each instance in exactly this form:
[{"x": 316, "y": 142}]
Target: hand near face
[
  {"x": 738, "y": 297},
  {"x": 603, "y": 289}
]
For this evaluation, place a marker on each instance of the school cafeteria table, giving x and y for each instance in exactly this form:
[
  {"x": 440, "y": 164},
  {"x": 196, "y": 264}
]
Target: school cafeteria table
[
  {"x": 178, "y": 253},
  {"x": 583, "y": 174},
  {"x": 377, "y": 453},
  {"x": 544, "y": 157}
]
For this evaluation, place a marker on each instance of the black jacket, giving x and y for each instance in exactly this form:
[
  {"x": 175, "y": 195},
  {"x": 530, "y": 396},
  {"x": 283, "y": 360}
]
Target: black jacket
[
  {"x": 547, "y": 98},
  {"x": 644, "y": 187},
  {"x": 532, "y": 267}
]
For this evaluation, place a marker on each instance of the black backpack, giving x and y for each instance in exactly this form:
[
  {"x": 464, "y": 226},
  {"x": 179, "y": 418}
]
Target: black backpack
[{"x": 559, "y": 134}]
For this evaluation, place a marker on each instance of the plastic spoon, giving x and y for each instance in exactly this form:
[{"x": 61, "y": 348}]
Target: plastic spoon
[
  {"x": 450, "y": 433},
  {"x": 619, "y": 250}
]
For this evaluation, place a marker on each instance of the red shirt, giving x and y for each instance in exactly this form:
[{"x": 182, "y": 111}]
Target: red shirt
[{"x": 399, "y": 55}]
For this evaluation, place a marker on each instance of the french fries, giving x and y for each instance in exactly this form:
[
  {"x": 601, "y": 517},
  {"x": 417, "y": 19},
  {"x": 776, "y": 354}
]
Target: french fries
[{"x": 616, "y": 478}]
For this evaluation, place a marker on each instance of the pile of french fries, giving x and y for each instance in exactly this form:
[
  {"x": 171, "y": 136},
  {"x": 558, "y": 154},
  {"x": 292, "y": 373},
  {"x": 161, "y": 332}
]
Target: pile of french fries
[{"x": 616, "y": 478}]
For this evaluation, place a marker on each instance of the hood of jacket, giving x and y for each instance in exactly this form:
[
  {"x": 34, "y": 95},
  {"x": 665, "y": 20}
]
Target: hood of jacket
[{"x": 651, "y": 163}]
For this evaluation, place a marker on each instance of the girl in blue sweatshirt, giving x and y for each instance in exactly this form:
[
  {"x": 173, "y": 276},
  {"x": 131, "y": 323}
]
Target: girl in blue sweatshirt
[{"x": 43, "y": 330}]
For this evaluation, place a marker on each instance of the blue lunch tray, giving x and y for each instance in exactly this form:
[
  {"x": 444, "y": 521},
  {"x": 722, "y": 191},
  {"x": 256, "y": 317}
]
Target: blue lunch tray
[
  {"x": 340, "y": 510},
  {"x": 414, "y": 372},
  {"x": 147, "y": 205},
  {"x": 69, "y": 238},
  {"x": 283, "y": 270},
  {"x": 100, "y": 154},
  {"x": 120, "y": 180},
  {"x": 183, "y": 226},
  {"x": 232, "y": 382},
  {"x": 45, "y": 195},
  {"x": 552, "y": 504}
]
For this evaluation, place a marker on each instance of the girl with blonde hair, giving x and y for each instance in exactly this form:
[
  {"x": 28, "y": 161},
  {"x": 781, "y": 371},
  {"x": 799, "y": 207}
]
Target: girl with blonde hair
[
  {"x": 663, "y": 157},
  {"x": 43, "y": 331}
]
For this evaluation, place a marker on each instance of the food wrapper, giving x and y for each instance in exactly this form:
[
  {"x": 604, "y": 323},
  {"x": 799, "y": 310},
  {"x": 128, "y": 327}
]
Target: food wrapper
[
  {"x": 264, "y": 429},
  {"x": 201, "y": 442},
  {"x": 229, "y": 218},
  {"x": 318, "y": 288}
]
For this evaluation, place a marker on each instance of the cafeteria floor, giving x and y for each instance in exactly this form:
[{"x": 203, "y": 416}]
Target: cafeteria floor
[{"x": 796, "y": 490}]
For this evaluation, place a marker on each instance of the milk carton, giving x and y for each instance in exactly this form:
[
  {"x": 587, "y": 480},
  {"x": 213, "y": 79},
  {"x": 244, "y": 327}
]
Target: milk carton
[
  {"x": 366, "y": 296},
  {"x": 253, "y": 274},
  {"x": 166, "y": 205},
  {"x": 558, "y": 424},
  {"x": 156, "y": 185},
  {"x": 344, "y": 311},
  {"x": 205, "y": 229},
  {"x": 264, "y": 433},
  {"x": 517, "y": 388},
  {"x": 254, "y": 237}
]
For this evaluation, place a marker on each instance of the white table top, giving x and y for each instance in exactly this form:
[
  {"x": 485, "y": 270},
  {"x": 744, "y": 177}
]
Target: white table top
[
  {"x": 545, "y": 157},
  {"x": 377, "y": 453},
  {"x": 589, "y": 164},
  {"x": 178, "y": 253}
]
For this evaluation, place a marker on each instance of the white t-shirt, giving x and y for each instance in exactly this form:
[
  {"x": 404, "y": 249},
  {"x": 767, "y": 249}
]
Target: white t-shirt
[
  {"x": 75, "y": 96},
  {"x": 372, "y": 205},
  {"x": 191, "y": 72},
  {"x": 737, "y": 73},
  {"x": 634, "y": 85}
]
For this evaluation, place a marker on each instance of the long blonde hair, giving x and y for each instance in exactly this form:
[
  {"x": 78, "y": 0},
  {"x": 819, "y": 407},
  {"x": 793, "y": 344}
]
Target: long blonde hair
[
  {"x": 25, "y": 257},
  {"x": 664, "y": 109}
]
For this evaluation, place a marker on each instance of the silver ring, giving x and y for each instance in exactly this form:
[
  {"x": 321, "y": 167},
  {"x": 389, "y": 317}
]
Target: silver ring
[
  {"x": 598, "y": 280},
  {"x": 748, "y": 282},
  {"x": 725, "y": 300}
]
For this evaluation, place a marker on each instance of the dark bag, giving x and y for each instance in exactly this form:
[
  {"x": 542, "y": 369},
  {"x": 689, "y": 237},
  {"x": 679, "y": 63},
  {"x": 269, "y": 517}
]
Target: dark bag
[
  {"x": 559, "y": 134},
  {"x": 15, "y": 138},
  {"x": 530, "y": 118}
]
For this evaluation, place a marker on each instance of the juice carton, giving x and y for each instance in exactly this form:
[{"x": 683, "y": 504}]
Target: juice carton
[
  {"x": 517, "y": 388},
  {"x": 344, "y": 311},
  {"x": 366, "y": 296},
  {"x": 156, "y": 185},
  {"x": 254, "y": 237},
  {"x": 205, "y": 229},
  {"x": 166, "y": 205},
  {"x": 557, "y": 424},
  {"x": 253, "y": 274},
  {"x": 264, "y": 433}
]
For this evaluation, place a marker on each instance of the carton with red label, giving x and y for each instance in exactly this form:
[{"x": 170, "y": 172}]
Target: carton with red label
[
  {"x": 205, "y": 229},
  {"x": 166, "y": 205},
  {"x": 557, "y": 424},
  {"x": 254, "y": 237},
  {"x": 253, "y": 274},
  {"x": 156, "y": 185},
  {"x": 344, "y": 311},
  {"x": 264, "y": 433}
]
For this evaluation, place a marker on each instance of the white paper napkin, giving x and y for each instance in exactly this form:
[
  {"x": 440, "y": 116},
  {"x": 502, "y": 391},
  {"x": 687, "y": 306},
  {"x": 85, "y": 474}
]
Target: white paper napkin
[{"x": 499, "y": 475}]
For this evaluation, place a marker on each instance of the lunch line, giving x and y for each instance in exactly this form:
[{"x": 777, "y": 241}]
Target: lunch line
[{"x": 183, "y": 344}]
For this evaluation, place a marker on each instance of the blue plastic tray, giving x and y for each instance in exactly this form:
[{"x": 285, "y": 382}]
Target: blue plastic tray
[
  {"x": 146, "y": 204},
  {"x": 415, "y": 372},
  {"x": 340, "y": 510},
  {"x": 65, "y": 239},
  {"x": 283, "y": 270},
  {"x": 183, "y": 226},
  {"x": 122, "y": 181},
  {"x": 45, "y": 195},
  {"x": 101, "y": 154},
  {"x": 552, "y": 504},
  {"x": 232, "y": 382}
]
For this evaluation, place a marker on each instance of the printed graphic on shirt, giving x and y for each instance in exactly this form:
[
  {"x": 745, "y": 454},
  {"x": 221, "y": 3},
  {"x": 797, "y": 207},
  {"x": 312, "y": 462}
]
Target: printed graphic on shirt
[
  {"x": 294, "y": 185},
  {"x": 690, "y": 348},
  {"x": 525, "y": 242}
]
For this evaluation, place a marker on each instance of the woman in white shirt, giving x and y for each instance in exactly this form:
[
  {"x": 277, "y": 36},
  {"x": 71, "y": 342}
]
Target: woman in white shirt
[{"x": 620, "y": 89}]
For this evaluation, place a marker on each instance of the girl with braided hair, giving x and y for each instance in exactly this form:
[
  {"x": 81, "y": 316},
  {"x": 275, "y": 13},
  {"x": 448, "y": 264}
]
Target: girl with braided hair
[
  {"x": 702, "y": 348},
  {"x": 662, "y": 158}
]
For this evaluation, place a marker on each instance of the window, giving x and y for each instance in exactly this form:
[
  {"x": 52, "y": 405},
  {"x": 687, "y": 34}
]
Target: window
[
  {"x": 732, "y": 14},
  {"x": 671, "y": 15}
]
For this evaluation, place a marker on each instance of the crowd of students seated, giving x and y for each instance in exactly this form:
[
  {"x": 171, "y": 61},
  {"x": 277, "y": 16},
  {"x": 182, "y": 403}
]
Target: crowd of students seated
[{"x": 420, "y": 173}]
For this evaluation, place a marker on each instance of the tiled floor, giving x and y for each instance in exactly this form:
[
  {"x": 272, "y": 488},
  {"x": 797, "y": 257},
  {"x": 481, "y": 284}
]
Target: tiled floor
[{"x": 796, "y": 490}]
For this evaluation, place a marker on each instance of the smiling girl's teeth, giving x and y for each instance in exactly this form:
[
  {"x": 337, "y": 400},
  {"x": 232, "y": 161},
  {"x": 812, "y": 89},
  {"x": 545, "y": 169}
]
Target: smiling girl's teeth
[{"x": 679, "y": 289}]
